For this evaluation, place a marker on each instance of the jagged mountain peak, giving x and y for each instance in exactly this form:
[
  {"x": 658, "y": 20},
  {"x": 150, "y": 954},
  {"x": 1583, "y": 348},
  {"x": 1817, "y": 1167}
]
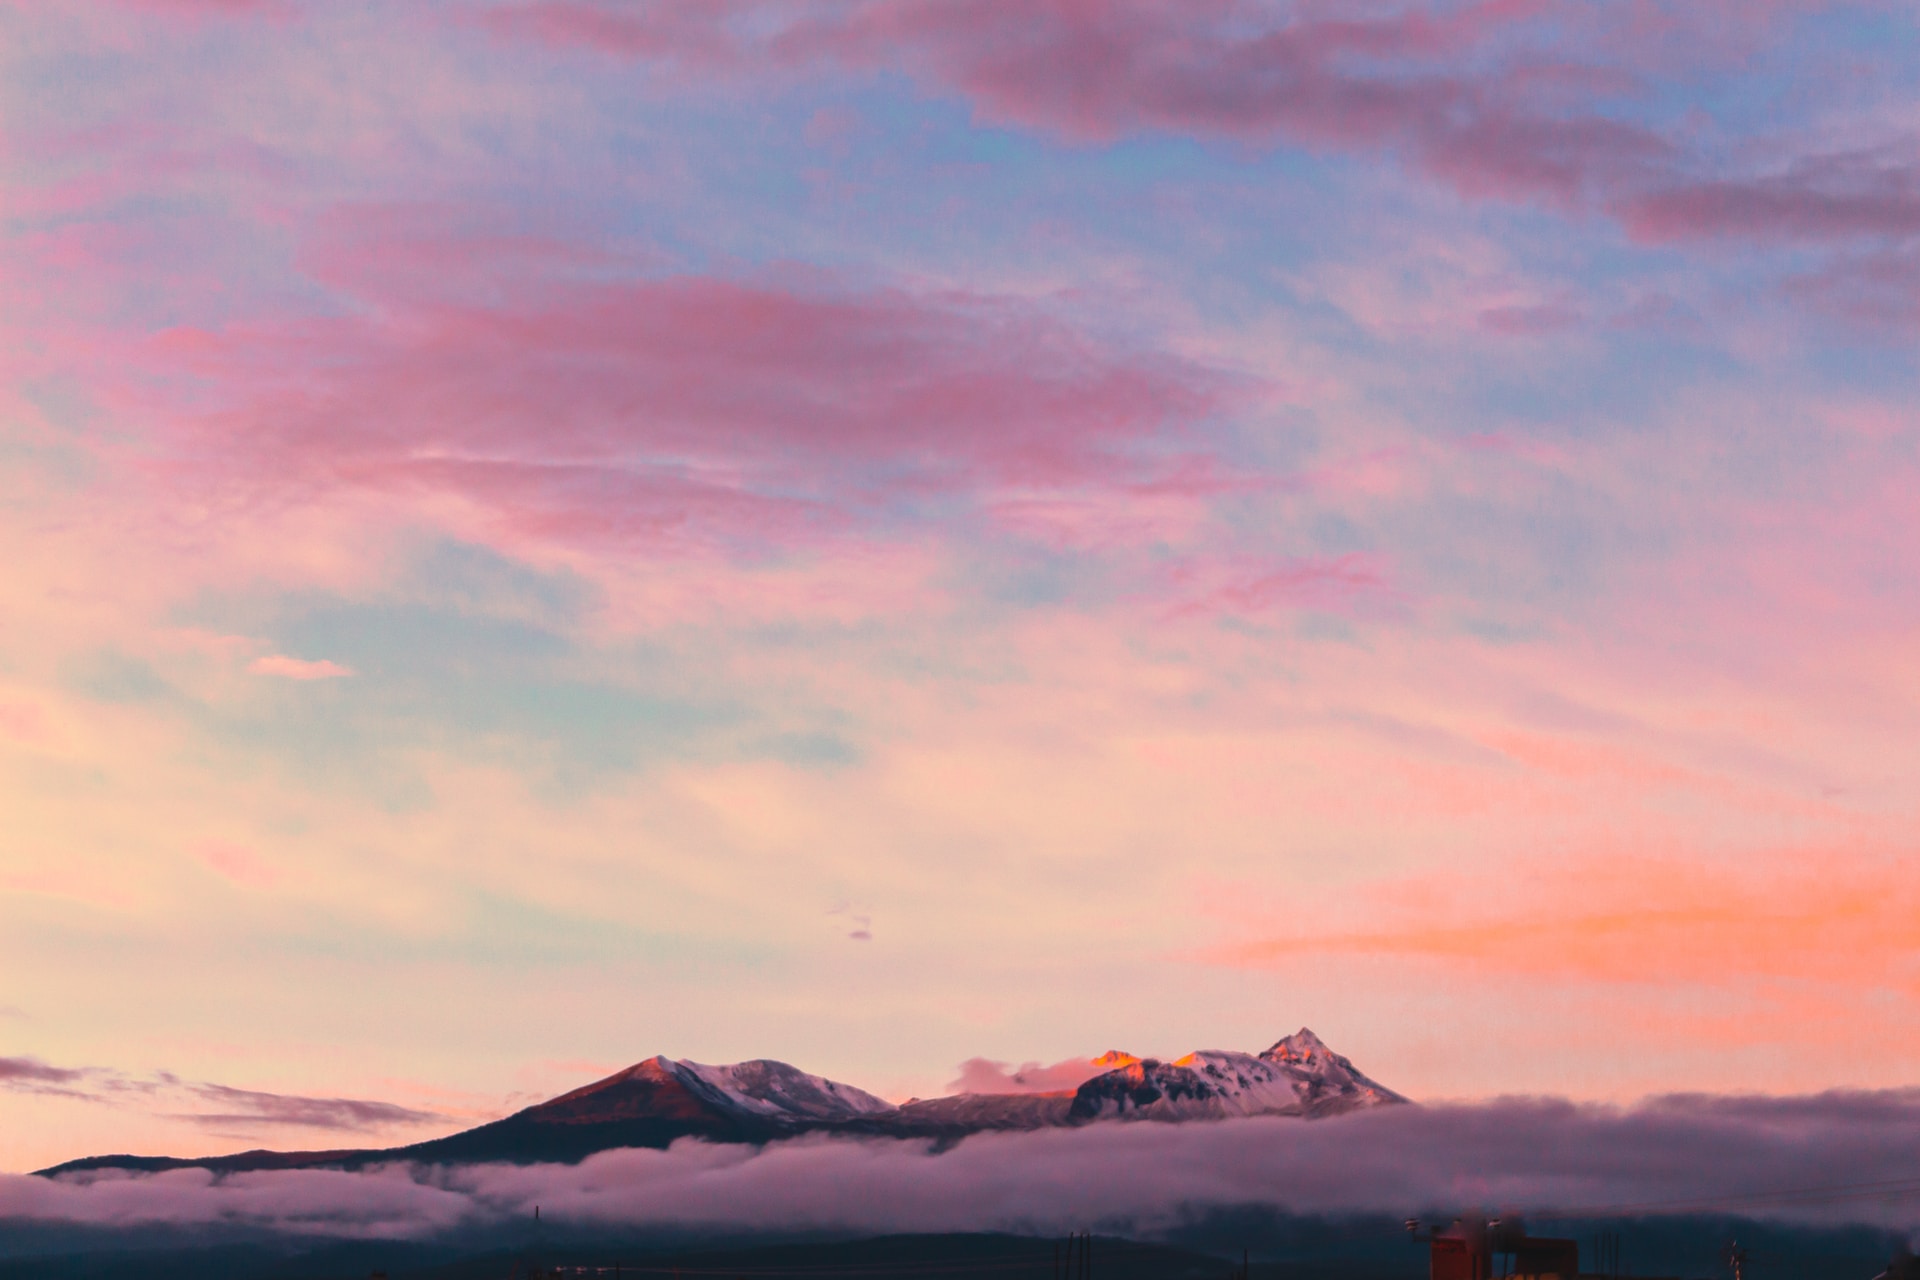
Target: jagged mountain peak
[
  {"x": 1301, "y": 1046},
  {"x": 1328, "y": 1081},
  {"x": 1298, "y": 1076}
]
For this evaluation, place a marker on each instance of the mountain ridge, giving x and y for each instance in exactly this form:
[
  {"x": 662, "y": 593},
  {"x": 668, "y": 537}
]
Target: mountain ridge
[{"x": 659, "y": 1100}]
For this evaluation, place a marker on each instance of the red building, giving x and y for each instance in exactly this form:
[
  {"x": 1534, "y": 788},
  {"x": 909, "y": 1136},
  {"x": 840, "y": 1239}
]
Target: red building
[{"x": 1475, "y": 1249}]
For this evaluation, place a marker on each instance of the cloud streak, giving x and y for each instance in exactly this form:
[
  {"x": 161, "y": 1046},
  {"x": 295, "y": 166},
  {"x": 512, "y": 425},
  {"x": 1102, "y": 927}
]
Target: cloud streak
[
  {"x": 301, "y": 669},
  {"x": 1536, "y": 101},
  {"x": 668, "y": 410},
  {"x": 1633, "y": 920},
  {"x": 1450, "y": 88},
  {"x": 232, "y": 1108},
  {"x": 344, "y": 1115},
  {"x": 33, "y": 1075},
  {"x": 1847, "y": 196}
]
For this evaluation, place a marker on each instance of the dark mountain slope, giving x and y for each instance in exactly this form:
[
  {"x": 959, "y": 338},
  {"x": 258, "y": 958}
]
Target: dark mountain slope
[{"x": 655, "y": 1102}]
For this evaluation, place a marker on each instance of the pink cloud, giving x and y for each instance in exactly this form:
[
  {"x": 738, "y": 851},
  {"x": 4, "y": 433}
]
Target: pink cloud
[
  {"x": 23, "y": 722},
  {"x": 697, "y": 32},
  {"x": 1820, "y": 198},
  {"x": 983, "y": 1075},
  {"x": 671, "y": 409},
  {"x": 1502, "y": 99},
  {"x": 1171, "y": 507},
  {"x": 238, "y": 863},
  {"x": 1445, "y": 89},
  {"x": 1875, "y": 292},
  {"x": 1219, "y": 588},
  {"x": 279, "y": 664}
]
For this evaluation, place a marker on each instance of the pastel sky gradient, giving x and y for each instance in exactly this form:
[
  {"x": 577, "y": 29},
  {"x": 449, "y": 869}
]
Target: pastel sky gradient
[{"x": 885, "y": 533}]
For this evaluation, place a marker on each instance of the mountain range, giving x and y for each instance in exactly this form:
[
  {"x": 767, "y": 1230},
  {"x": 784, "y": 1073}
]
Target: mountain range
[{"x": 655, "y": 1102}]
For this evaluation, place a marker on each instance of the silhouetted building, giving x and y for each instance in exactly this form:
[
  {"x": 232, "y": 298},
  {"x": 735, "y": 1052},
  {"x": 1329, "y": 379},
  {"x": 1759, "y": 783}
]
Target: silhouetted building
[{"x": 1475, "y": 1249}]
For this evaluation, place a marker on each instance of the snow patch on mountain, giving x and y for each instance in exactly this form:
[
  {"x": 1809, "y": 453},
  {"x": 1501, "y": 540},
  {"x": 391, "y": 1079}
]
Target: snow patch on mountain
[
  {"x": 1298, "y": 1076},
  {"x": 1328, "y": 1082},
  {"x": 775, "y": 1091}
]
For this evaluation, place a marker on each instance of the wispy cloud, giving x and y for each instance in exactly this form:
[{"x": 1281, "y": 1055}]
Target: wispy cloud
[
  {"x": 1532, "y": 100},
  {"x": 1626, "y": 919},
  {"x": 30, "y": 1075},
  {"x": 279, "y": 664},
  {"x": 985, "y": 1075},
  {"x": 679, "y": 410},
  {"x": 239, "y": 863},
  {"x": 857, "y": 921},
  {"x": 231, "y": 1108},
  {"x": 1221, "y": 586},
  {"x": 345, "y": 1115},
  {"x": 1845, "y": 196}
]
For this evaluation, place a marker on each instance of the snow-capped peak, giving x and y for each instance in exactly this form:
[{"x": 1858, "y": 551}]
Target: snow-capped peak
[
  {"x": 1298, "y": 1076},
  {"x": 1302, "y": 1046},
  {"x": 776, "y": 1091},
  {"x": 1327, "y": 1081}
]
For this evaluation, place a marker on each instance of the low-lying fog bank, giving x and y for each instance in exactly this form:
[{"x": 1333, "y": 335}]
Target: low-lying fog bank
[{"x": 1797, "y": 1160}]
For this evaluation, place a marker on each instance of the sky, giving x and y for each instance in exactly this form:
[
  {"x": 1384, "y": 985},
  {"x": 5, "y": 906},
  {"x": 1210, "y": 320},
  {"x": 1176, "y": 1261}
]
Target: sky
[{"x": 893, "y": 534}]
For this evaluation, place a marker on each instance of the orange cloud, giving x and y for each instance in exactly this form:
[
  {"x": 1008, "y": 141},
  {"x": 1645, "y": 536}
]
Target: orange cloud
[{"x": 1633, "y": 920}]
